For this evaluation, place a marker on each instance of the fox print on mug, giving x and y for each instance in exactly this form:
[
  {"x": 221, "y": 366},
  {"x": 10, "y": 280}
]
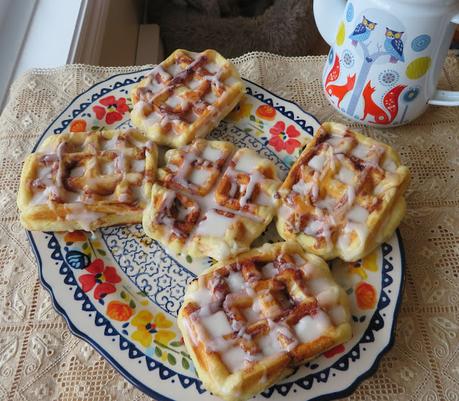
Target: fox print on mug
[{"x": 384, "y": 62}]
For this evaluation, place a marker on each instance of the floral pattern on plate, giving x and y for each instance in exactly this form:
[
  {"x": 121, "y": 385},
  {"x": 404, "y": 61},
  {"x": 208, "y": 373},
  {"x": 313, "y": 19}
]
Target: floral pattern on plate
[{"x": 121, "y": 291}]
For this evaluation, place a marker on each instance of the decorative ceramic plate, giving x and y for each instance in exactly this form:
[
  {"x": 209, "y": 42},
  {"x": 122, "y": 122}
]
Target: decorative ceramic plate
[{"x": 120, "y": 291}]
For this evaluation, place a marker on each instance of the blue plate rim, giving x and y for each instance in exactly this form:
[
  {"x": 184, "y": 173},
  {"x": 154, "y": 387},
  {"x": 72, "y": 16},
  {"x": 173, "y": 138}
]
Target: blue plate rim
[{"x": 149, "y": 391}]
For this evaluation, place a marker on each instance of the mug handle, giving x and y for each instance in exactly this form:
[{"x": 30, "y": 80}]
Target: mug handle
[{"x": 446, "y": 98}]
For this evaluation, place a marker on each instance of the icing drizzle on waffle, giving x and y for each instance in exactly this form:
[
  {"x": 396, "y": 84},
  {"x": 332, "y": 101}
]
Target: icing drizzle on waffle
[
  {"x": 182, "y": 89},
  {"x": 256, "y": 309},
  {"x": 337, "y": 185},
  {"x": 81, "y": 170},
  {"x": 207, "y": 190}
]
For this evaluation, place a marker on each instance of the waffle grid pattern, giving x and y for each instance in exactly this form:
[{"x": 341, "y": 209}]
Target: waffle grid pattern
[{"x": 185, "y": 96}]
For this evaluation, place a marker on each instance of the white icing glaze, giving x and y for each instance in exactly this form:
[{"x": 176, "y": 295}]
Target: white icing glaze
[
  {"x": 299, "y": 261},
  {"x": 217, "y": 324},
  {"x": 361, "y": 151},
  {"x": 109, "y": 144},
  {"x": 235, "y": 282},
  {"x": 234, "y": 358},
  {"x": 252, "y": 313},
  {"x": 339, "y": 143},
  {"x": 199, "y": 176},
  {"x": 193, "y": 83},
  {"x": 256, "y": 178},
  {"x": 269, "y": 346},
  {"x": 350, "y": 195},
  {"x": 268, "y": 270},
  {"x": 309, "y": 328},
  {"x": 83, "y": 216},
  {"x": 309, "y": 270},
  {"x": 212, "y": 154},
  {"x": 313, "y": 227},
  {"x": 212, "y": 67},
  {"x": 231, "y": 81},
  {"x": 328, "y": 297},
  {"x": 319, "y": 284},
  {"x": 317, "y": 162},
  {"x": 315, "y": 186},
  {"x": 358, "y": 214},
  {"x": 174, "y": 101},
  {"x": 247, "y": 162},
  {"x": 138, "y": 166},
  {"x": 214, "y": 224},
  {"x": 302, "y": 188},
  {"x": 264, "y": 199},
  {"x": 210, "y": 98},
  {"x": 360, "y": 229},
  {"x": 346, "y": 176},
  {"x": 328, "y": 203},
  {"x": 77, "y": 171},
  {"x": 174, "y": 69},
  {"x": 40, "y": 197},
  {"x": 107, "y": 168},
  {"x": 338, "y": 315},
  {"x": 389, "y": 165},
  {"x": 278, "y": 329}
]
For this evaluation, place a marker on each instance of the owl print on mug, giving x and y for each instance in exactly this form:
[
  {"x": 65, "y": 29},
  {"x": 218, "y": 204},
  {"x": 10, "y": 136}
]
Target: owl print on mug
[
  {"x": 362, "y": 31},
  {"x": 394, "y": 45},
  {"x": 382, "y": 68}
]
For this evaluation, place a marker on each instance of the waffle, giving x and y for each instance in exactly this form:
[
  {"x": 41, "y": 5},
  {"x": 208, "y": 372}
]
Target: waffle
[
  {"x": 343, "y": 196},
  {"x": 86, "y": 180},
  {"x": 249, "y": 321},
  {"x": 211, "y": 201},
  {"x": 185, "y": 97}
]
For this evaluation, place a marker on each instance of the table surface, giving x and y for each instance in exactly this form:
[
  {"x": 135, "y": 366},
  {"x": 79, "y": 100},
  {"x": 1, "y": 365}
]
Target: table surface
[{"x": 40, "y": 359}]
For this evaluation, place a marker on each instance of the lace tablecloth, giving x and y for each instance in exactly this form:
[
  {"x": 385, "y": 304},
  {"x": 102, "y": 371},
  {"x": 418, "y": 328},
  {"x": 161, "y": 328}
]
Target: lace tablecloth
[{"x": 41, "y": 360}]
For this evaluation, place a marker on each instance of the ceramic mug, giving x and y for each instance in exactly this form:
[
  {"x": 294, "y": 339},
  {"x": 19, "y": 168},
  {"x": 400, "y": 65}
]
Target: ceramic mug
[{"x": 386, "y": 56}]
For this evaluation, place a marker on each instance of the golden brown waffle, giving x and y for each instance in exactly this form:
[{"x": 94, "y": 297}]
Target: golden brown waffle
[
  {"x": 248, "y": 321},
  {"x": 86, "y": 180},
  {"x": 210, "y": 201},
  {"x": 344, "y": 195},
  {"x": 185, "y": 97}
]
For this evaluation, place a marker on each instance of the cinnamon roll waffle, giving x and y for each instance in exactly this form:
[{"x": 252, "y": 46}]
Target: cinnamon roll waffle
[
  {"x": 87, "y": 180},
  {"x": 343, "y": 196},
  {"x": 185, "y": 97},
  {"x": 248, "y": 321},
  {"x": 210, "y": 200}
]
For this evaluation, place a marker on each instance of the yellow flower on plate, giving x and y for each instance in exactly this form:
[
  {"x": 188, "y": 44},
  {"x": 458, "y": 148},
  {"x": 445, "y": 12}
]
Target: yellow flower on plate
[
  {"x": 368, "y": 263},
  {"x": 241, "y": 111},
  {"x": 151, "y": 327}
]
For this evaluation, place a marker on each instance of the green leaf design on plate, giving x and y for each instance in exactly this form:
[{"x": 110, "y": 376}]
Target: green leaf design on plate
[
  {"x": 132, "y": 304},
  {"x": 85, "y": 245},
  {"x": 123, "y": 295},
  {"x": 252, "y": 117},
  {"x": 158, "y": 352},
  {"x": 101, "y": 252},
  {"x": 142, "y": 293},
  {"x": 175, "y": 344},
  {"x": 171, "y": 359},
  {"x": 189, "y": 259},
  {"x": 185, "y": 363}
]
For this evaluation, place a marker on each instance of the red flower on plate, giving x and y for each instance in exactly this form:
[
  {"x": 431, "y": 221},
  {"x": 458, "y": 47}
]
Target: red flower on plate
[
  {"x": 101, "y": 277},
  {"x": 366, "y": 295},
  {"x": 113, "y": 110},
  {"x": 78, "y": 125},
  {"x": 284, "y": 139},
  {"x": 334, "y": 351}
]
